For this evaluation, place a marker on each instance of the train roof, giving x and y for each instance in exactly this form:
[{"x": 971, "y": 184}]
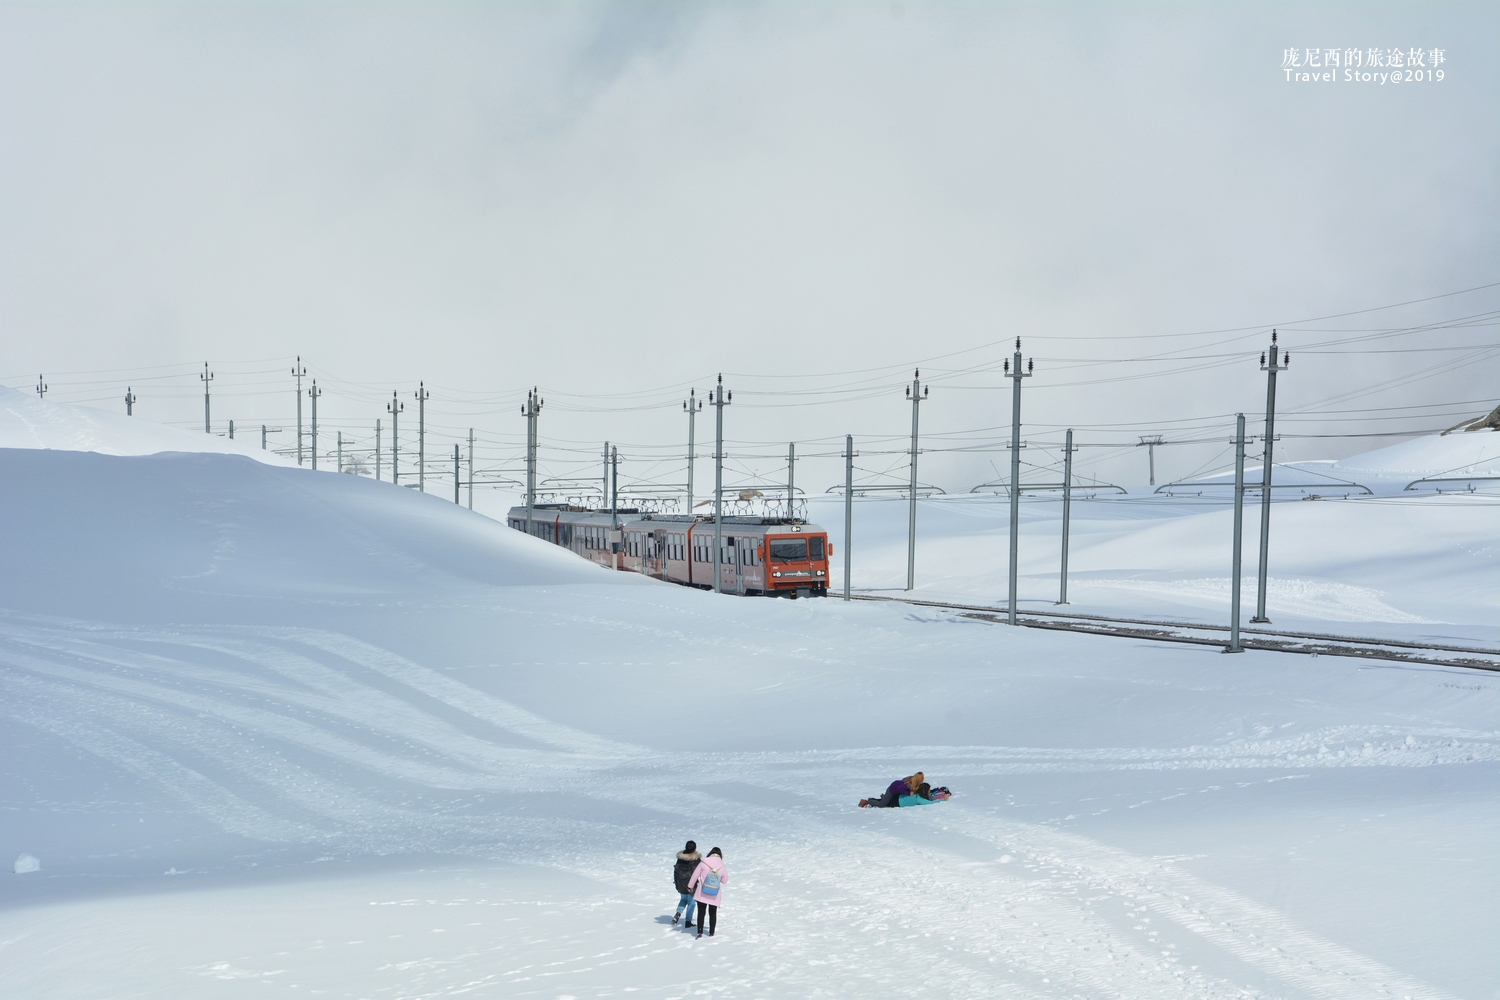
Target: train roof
[{"x": 635, "y": 514}]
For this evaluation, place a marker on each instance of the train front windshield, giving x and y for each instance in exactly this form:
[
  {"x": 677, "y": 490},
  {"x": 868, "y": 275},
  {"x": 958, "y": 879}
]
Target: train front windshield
[{"x": 789, "y": 550}]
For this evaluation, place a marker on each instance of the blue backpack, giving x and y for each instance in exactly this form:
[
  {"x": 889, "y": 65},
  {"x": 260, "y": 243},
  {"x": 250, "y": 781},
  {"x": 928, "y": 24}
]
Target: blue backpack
[{"x": 710, "y": 885}]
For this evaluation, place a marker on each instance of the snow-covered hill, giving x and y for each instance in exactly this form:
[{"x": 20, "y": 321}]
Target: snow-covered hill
[
  {"x": 27, "y": 421},
  {"x": 272, "y": 731},
  {"x": 1461, "y": 453}
]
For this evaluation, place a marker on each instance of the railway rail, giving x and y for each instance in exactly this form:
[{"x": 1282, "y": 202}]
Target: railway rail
[{"x": 1308, "y": 643}]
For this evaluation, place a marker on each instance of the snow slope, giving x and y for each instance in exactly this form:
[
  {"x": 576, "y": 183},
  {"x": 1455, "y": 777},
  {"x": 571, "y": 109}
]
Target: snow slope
[
  {"x": 1397, "y": 563},
  {"x": 272, "y": 731},
  {"x": 1460, "y": 453},
  {"x": 28, "y": 421}
]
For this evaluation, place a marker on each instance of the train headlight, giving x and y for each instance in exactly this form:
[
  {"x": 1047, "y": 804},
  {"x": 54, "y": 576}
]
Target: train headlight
[
  {"x": 777, "y": 573},
  {"x": 820, "y": 572}
]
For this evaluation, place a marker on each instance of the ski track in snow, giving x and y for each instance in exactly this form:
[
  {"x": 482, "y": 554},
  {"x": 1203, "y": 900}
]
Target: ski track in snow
[{"x": 300, "y": 715}]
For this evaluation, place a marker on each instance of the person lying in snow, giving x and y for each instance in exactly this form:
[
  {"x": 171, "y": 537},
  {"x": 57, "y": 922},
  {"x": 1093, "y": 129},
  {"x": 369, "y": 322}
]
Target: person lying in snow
[
  {"x": 892, "y": 796},
  {"x": 921, "y": 797}
]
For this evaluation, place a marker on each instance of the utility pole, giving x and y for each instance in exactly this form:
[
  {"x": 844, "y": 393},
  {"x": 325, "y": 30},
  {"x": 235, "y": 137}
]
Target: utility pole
[
  {"x": 848, "y": 506},
  {"x": 614, "y": 487},
  {"x": 341, "y": 452},
  {"x": 1151, "y": 441},
  {"x": 614, "y": 508},
  {"x": 315, "y": 392},
  {"x": 394, "y": 408},
  {"x": 41, "y": 387},
  {"x": 263, "y": 432},
  {"x": 530, "y": 411},
  {"x": 299, "y": 371},
  {"x": 422, "y": 395},
  {"x": 129, "y": 402},
  {"x": 1068, "y": 449},
  {"x": 791, "y": 478},
  {"x": 916, "y": 394},
  {"x": 604, "y": 483},
  {"x": 719, "y": 399},
  {"x": 692, "y": 405},
  {"x": 471, "y": 468},
  {"x": 457, "y": 478},
  {"x": 1239, "y": 520},
  {"x": 1265, "y": 474},
  {"x": 1015, "y": 466},
  {"x": 231, "y": 430},
  {"x": 207, "y": 377},
  {"x": 377, "y": 449}
]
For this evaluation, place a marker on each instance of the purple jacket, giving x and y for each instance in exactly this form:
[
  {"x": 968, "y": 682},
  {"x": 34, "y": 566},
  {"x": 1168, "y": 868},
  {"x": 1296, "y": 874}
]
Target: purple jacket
[{"x": 897, "y": 789}]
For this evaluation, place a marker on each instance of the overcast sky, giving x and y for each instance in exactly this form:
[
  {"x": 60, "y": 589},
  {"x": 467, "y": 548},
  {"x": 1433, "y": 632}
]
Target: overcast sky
[{"x": 615, "y": 202}]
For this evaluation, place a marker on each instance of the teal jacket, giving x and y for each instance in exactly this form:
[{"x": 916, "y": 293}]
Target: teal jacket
[{"x": 915, "y": 800}]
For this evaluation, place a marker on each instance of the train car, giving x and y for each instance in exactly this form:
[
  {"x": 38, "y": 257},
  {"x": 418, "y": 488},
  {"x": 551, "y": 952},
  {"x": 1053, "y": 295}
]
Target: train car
[{"x": 771, "y": 556}]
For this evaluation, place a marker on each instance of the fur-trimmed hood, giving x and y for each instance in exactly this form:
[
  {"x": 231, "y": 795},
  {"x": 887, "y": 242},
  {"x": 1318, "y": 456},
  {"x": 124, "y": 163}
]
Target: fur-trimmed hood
[{"x": 689, "y": 856}]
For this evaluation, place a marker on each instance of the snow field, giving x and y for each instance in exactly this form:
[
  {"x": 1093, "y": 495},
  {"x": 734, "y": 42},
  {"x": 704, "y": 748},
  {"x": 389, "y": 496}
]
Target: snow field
[{"x": 272, "y": 731}]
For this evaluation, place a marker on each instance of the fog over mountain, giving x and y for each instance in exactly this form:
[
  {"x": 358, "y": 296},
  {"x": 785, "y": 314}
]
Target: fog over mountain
[{"x": 616, "y": 202}]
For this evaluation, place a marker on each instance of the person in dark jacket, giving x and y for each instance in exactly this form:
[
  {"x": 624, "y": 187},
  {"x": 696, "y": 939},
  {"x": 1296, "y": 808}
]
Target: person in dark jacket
[
  {"x": 682, "y": 873},
  {"x": 892, "y": 797}
]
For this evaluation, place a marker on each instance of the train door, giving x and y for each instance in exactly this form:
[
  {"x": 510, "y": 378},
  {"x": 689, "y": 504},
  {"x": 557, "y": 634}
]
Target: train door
[
  {"x": 729, "y": 577},
  {"x": 746, "y": 562}
]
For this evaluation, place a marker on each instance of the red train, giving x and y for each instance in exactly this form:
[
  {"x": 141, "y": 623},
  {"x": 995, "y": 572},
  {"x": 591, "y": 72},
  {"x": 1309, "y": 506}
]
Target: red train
[{"x": 775, "y": 557}]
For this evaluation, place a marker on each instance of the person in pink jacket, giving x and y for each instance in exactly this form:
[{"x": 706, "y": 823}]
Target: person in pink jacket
[{"x": 708, "y": 890}]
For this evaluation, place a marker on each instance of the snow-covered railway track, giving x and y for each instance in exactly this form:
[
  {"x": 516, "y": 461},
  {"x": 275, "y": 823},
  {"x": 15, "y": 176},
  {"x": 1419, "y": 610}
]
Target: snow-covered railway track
[{"x": 1311, "y": 643}]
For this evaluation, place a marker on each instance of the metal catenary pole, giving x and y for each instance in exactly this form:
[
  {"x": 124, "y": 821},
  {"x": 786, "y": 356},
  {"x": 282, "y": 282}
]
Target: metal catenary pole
[
  {"x": 377, "y": 449},
  {"x": 719, "y": 399},
  {"x": 422, "y": 395},
  {"x": 341, "y": 451},
  {"x": 457, "y": 477},
  {"x": 231, "y": 430},
  {"x": 614, "y": 508},
  {"x": 532, "y": 407},
  {"x": 1062, "y": 597},
  {"x": 848, "y": 507},
  {"x": 1151, "y": 441},
  {"x": 916, "y": 394},
  {"x": 1015, "y": 466},
  {"x": 207, "y": 377},
  {"x": 395, "y": 408},
  {"x": 471, "y": 468},
  {"x": 262, "y": 437},
  {"x": 314, "y": 393},
  {"x": 129, "y": 402},
  {"x": 299, "y": 371},
  {"x": 1265, "y": 475},
  {"x": 692, "y": 405},
  {"x": 42, "y": 387},
  {"x": 791, "y": 478},
  {"x": 1239, "y": 520}
]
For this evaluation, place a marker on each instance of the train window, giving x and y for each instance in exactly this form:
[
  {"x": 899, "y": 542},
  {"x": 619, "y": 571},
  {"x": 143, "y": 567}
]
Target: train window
[
  {"x": 726, "y": 554},
  {"x": 788, "y": 550},
  {"x": 815, "y": 545}
]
